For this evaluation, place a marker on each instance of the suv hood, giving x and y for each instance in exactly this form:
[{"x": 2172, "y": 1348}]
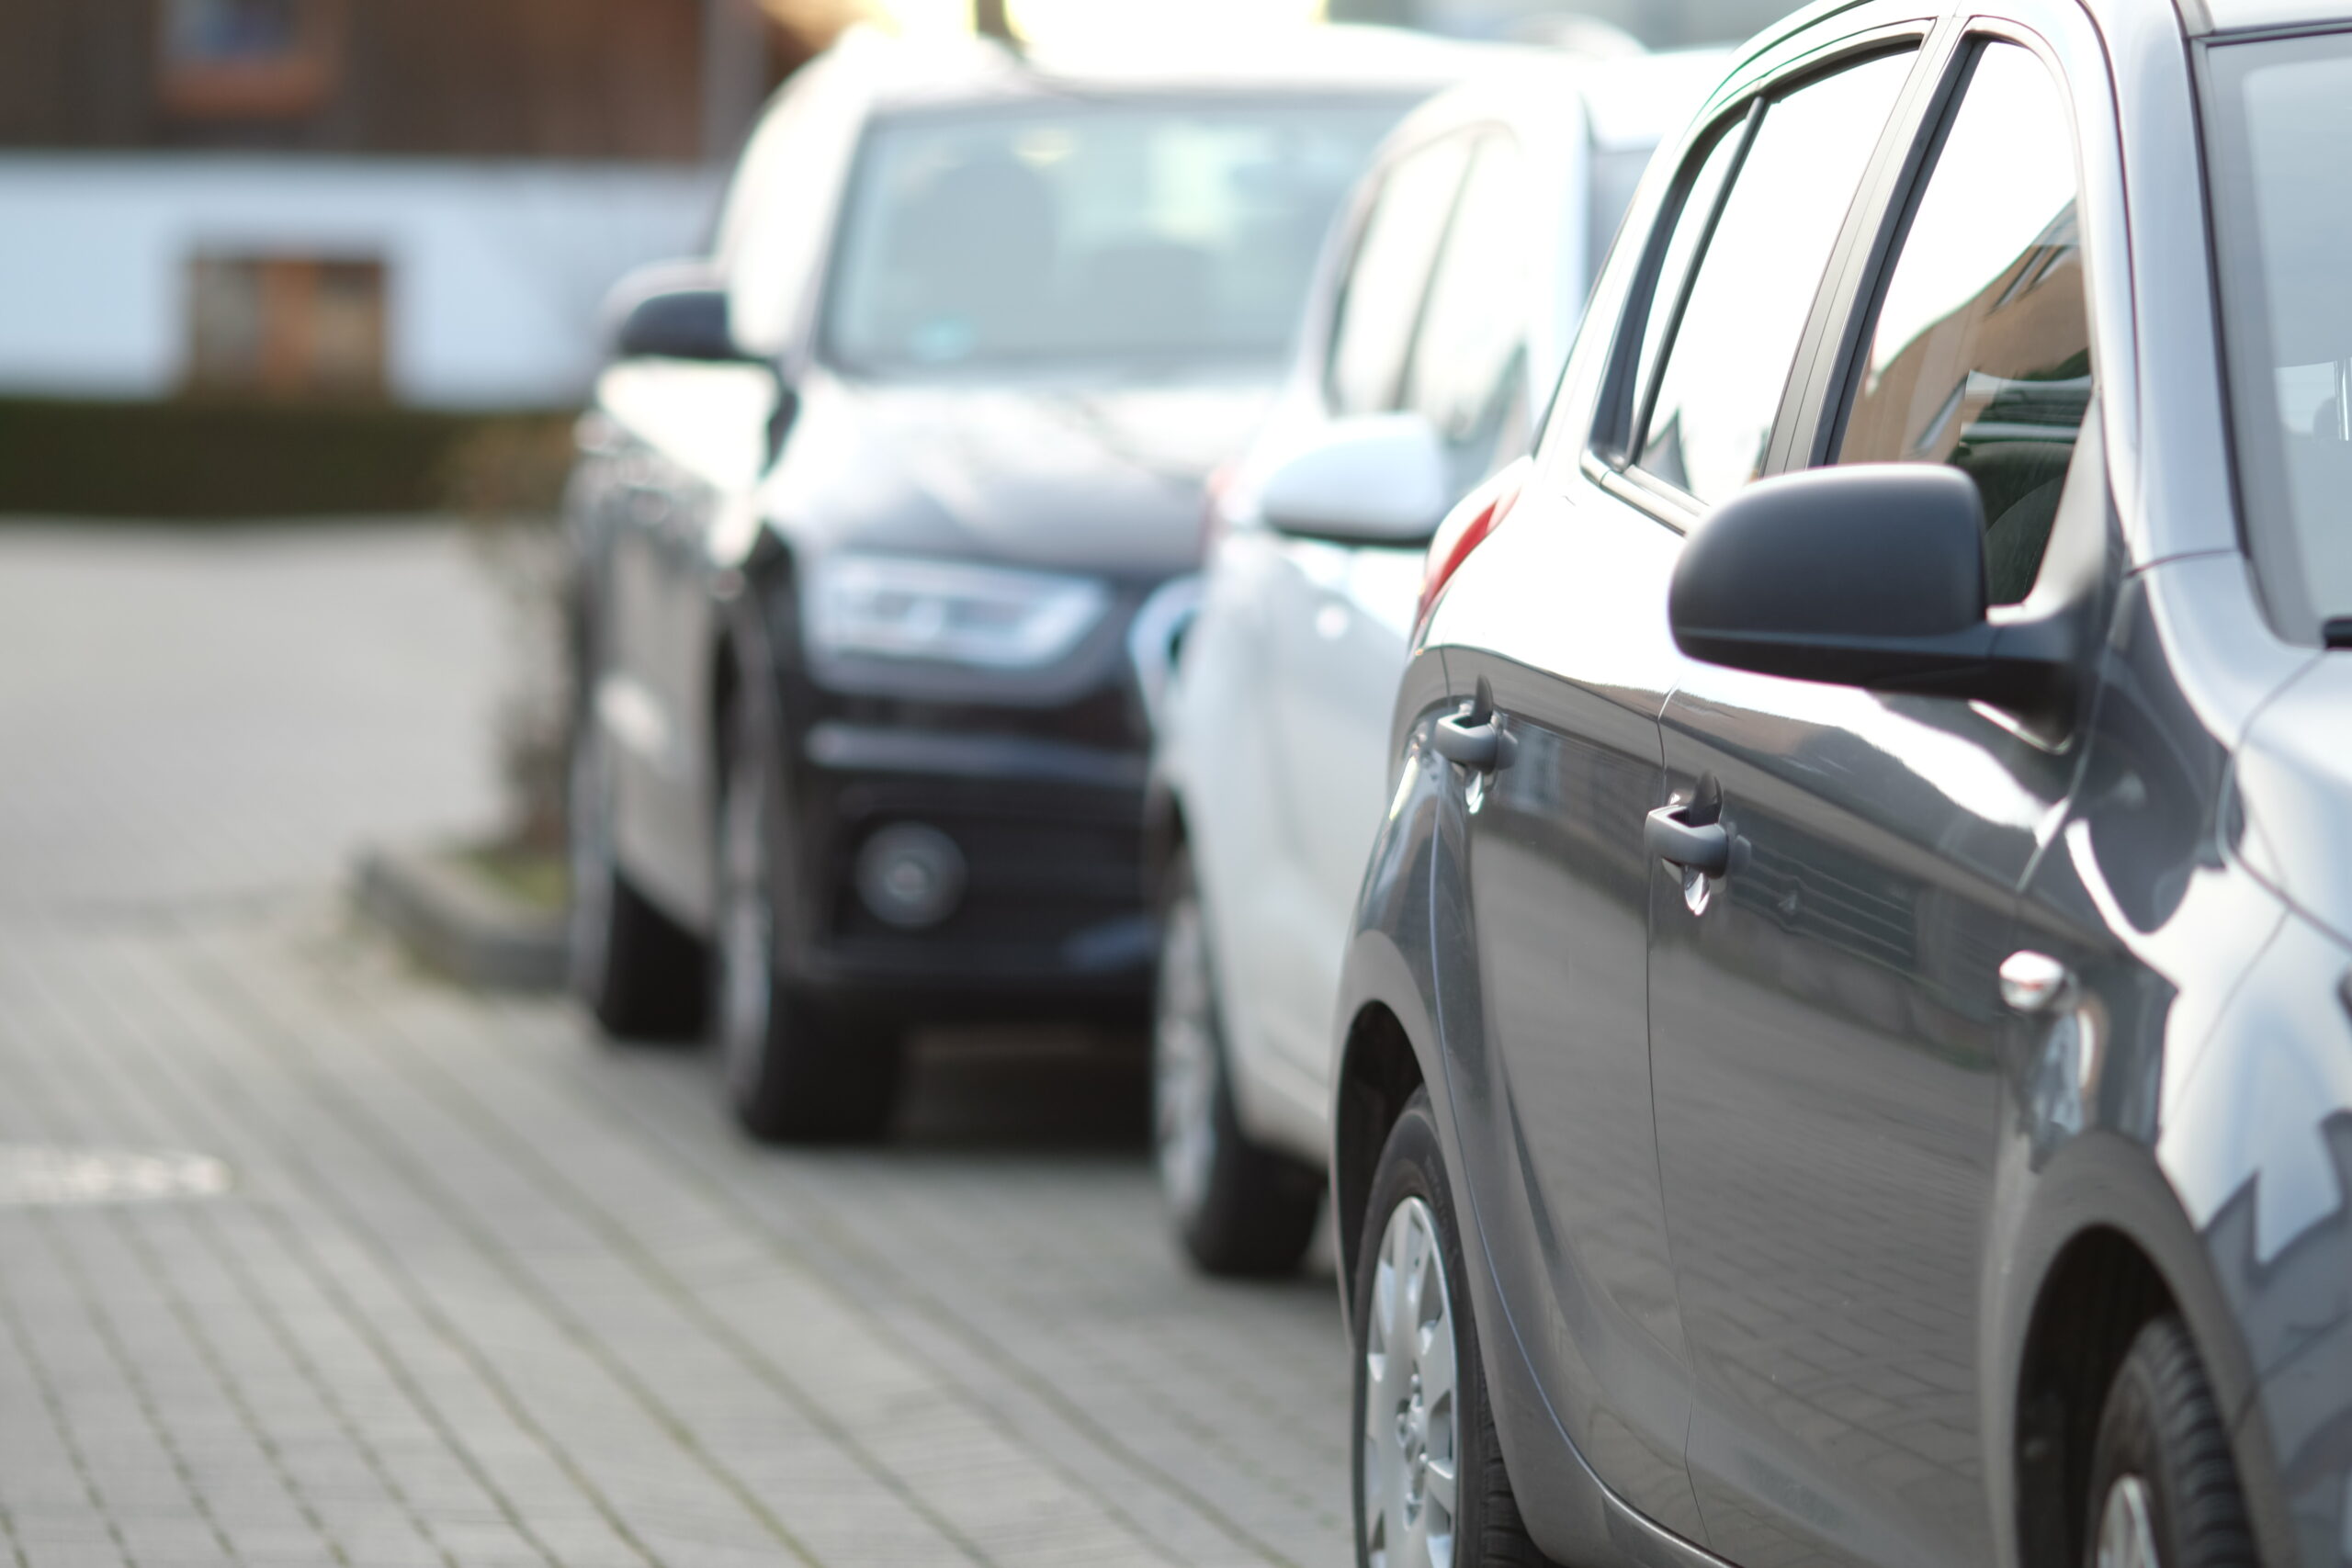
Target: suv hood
[
  {"x": 1068, "y": 478},
  {"x": 2294, "y": 779}
]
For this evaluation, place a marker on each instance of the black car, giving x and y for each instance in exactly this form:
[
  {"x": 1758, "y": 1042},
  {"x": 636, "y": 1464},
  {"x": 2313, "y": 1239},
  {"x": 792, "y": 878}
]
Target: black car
[
  {"x": 1846, "y": 1051},
  {"x": 864, "y": 511}
]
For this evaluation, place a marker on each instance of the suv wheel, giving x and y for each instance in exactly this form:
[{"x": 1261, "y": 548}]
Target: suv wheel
[
  {"x": 639, "y": 973},
  {"x": 1239, "y": 1207},
  {"x": 795, "y": 1071},
  {"x": 1430, "y": 1491},
  {"x": 2164, "y": 1488}
]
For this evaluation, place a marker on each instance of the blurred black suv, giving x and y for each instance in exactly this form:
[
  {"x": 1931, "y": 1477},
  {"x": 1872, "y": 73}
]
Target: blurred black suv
[{"x": 866, "y": 509}]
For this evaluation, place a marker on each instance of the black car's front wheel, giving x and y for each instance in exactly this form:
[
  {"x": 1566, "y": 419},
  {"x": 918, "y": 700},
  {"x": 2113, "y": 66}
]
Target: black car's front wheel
[
  {"x": 2163, "y": 1489},
  {"x": 1431, "y": 1490},
  {"x": 797, "y": 1071},
  {"x": 640, "y": 973}
]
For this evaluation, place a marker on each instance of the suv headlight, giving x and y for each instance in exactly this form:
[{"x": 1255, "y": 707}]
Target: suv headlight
[{"x": 905, "y": 607}]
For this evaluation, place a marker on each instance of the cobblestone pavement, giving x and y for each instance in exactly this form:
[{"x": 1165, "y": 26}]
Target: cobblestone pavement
[{"x": 481, "y": 1289}]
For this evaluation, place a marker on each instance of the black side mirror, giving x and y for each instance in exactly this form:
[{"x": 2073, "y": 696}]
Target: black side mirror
[
  {"x": 673, "y": 311},
  {"x": 1869, "y": 576}
]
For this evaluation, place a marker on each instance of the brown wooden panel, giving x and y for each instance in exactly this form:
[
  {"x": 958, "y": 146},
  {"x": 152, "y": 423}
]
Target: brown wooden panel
[{"x": 599, "y": 79}]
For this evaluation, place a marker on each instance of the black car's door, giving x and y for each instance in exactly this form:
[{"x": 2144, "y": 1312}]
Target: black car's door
[
  {"x": 1561, "y": 616},
  {"x": 1826, "y": 1018}
]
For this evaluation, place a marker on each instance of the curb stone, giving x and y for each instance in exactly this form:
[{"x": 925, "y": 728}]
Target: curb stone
[{"x": 459, "y": 923}]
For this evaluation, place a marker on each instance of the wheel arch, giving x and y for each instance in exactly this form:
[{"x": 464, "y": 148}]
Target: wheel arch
[
  {"x": 2102, "y": 1245},
  {"x": 1378, "y": 1072},
  {"x": 2101, "y": 1289}
]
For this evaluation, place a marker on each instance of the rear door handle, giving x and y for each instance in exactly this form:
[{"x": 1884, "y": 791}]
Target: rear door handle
[
  {"x": 1702, "y": 847},
  {"x": 1483, "y": 747}
]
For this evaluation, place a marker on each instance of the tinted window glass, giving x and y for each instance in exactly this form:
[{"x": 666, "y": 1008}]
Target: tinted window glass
[
  {"x": 1381, "y": 300},
  {"x": 1981, "y": 356},
  {"x": 2282, "y": 119},
  {"x": 1468, "y": 369},
  {"x": 1730, "y": 361},
  {"x": 1120, "y": 232}
]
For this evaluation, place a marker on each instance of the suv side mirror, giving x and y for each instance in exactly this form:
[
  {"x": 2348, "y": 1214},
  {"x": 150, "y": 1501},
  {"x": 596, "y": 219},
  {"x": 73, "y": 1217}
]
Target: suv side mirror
[
  {"x": 1379, "y": 480},
  {"x": 1870, "y": 576},
  {"x": 672, "y": 311}
]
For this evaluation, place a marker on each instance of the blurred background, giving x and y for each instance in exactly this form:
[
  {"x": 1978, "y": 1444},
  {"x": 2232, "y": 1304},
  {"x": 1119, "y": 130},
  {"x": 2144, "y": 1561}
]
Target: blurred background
[
  {"x": 310, "y": 256},
  {"x": 280, "y": 259}
]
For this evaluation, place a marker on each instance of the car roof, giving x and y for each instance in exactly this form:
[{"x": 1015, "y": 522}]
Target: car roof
[
  {"x": 1629, "y": 102},
  {"x": 1341, "y": 60},
  {"x": 2196, "y": 19},
  {"x": 2200, "y": 18}
]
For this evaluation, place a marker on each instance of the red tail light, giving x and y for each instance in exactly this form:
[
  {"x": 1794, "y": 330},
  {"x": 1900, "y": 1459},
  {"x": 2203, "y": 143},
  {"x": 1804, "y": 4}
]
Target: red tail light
[
  {"x": 1215, "y": 524},
  {"x": 1474, "y": 518}
]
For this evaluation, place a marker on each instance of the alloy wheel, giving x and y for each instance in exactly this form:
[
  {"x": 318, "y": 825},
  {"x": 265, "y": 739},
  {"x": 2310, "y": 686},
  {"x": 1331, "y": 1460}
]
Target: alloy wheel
[
  {"x": 1411, "y": 1465},
  {"x": 1183, "y": 1060},
  {"x": 2127, "y": 1526},
  {"x": 746, "y": 924}
]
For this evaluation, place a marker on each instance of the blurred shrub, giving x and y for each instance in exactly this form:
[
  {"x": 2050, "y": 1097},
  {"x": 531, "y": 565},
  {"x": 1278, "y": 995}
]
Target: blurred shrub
[
  {"x": 506, "y": 479},
  {"x": 203, "y": 458}
]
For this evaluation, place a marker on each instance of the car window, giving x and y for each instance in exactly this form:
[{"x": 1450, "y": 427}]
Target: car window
[
  {"x": 1467, "y": 371},
  {"x": 1981, "y": 354},
  {"x": 2281, "y": 116},
  {"x": 1120, "y": 232},
  {"x": 1380, "y": 303},
  {"x": 1728, "y": 361},
  {"x": 1701, "y": 196}
]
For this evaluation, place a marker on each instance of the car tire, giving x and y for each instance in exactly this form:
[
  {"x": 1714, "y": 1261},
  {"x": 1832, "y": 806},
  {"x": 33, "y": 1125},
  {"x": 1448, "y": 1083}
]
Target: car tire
[
  {"x": 1239, "y": 1207},
  {"x": 796, "y": 1070},
  {"x": 2163, "y": 1489},
  {"x": 1424, "y": 1425},
  {"x": 640, "y": 974}
]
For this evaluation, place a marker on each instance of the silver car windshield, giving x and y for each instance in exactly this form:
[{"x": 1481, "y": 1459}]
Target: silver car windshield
[
  {"x": 2282, "y": 228},
  {"x": 1091, "y": 233}
]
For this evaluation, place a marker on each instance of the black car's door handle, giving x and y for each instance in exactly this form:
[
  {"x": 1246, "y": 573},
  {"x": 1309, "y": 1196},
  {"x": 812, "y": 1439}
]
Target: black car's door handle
[
  {"x": 1483, "y": 747},
  {"x": 1702, "y": 847}
]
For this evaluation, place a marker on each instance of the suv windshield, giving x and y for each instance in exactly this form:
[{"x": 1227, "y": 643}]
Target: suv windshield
[
  {"x": 2283, "y": 231},
  {"x": 1089, "y": 233}
]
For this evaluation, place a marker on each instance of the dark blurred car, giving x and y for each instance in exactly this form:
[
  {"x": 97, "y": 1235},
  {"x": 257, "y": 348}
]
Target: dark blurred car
[
  {"x": 1845, "y": 1055},
  {"x": 864, "y": 510}
]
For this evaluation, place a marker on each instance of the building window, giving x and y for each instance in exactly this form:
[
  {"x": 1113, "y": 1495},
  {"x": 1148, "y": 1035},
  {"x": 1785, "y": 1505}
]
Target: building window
[
  {"x": 247, "y": 59},
  {"x": 286, "y": 326}
]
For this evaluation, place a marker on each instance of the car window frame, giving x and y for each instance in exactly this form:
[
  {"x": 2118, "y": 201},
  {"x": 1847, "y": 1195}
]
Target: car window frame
[
  {"x": 1608, "y": 457},
  {"x": 1840, "y": 367}
]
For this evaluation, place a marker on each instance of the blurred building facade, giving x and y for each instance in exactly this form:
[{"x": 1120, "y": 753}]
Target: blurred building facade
[{"x": 415, "y": 201}]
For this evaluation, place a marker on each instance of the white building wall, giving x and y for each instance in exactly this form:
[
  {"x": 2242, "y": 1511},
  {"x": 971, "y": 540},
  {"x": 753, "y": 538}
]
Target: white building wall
[{"x": 494, "y": 270}]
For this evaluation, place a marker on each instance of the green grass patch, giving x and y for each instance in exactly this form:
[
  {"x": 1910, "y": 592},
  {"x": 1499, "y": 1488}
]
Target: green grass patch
[{"x": 535, "y": 879}]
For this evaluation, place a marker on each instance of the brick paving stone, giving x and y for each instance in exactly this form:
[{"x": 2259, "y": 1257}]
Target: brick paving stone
[{"x": 485, "y": 1290}]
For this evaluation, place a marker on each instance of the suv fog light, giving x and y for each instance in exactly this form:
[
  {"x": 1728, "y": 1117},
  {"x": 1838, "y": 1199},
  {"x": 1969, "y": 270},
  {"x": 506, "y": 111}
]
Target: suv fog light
[{"x": 911, "y": 875}]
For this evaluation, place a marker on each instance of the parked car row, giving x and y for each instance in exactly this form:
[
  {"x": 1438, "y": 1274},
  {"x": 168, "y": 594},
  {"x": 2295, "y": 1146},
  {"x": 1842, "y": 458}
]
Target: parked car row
[
  {"x": 1760, "y": 819},
  {"x": 866, "y": 509}
]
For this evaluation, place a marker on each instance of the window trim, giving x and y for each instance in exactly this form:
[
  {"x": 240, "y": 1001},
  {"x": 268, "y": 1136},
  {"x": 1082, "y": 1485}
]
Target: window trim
[
  {"x": 1612, "y": 444},
  {"x": 1624, "y": 408},
  {"x": 1856, "y": 315}
]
